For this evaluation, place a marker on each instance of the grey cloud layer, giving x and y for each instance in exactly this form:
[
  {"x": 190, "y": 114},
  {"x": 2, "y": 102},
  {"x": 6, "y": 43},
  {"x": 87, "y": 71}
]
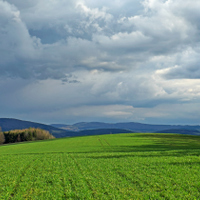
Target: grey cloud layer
[
  {"x": 51, "y": 39},
  {"x": 119, "y": 58}
]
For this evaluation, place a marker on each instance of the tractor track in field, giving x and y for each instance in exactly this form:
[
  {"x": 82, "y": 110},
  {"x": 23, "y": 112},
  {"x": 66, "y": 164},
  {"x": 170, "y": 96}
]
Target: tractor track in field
[
  {"x": 103, "y": 141},
  {"x": 96, "y": 176},
  {"x": 106, "y": 142},
  {"x": 23, "y": 171},
  {"x": 81, "y": 171},
  {"x": 70, "y": 180},
  {"x": 100, "y": 142},
  {"x": 135, "y": 182},
  {"x": 63, "y": 179}
]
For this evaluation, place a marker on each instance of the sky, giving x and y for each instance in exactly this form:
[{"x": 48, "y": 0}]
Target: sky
[{"x": 109, "y": 61}]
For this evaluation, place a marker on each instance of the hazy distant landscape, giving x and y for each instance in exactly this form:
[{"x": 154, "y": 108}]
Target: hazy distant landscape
[{"x": 97, "y": 128}]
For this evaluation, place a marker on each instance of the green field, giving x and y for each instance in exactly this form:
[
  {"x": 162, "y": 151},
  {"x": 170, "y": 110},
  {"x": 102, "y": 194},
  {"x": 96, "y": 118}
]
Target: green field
[{"x": 121, "y": 166}]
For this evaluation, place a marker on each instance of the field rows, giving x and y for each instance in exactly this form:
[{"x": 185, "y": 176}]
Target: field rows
[{"x": 113, "y": 171}]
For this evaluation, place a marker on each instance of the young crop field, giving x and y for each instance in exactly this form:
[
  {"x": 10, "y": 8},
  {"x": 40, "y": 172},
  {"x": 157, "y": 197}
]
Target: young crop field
[{"x": 121, "y": 166}]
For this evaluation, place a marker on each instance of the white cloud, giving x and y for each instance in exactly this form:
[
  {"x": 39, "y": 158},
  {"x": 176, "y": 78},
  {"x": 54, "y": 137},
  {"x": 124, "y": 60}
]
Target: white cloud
[{"x": 130, "y": 43}]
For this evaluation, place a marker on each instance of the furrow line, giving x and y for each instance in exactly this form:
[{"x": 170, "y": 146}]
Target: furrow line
[
  {"x": 106, "y": 142},
  {"x": 63, "y": 179},
  {"x": 133, "y": 182},
  {"x": 20, "y": 179},
  {"x": 100, "y": 142},
  {"x": 81, "y": 170}
]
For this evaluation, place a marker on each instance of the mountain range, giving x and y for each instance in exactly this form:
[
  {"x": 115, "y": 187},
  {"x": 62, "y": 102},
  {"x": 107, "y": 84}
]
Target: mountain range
[
  {"x": 131, "y": 126},
  {"x": 97, "y": 128}
]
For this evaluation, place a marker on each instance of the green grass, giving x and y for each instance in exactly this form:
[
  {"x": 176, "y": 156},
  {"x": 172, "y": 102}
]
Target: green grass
[{"x": 121, "y": 166}]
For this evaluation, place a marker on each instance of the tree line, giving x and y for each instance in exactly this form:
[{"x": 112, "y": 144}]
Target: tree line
[{"x": 29, "y": 134}]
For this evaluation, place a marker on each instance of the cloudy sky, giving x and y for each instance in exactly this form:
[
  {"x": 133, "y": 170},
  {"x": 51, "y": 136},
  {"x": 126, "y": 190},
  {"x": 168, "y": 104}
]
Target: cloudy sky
[{"x": 110, "y": 61}]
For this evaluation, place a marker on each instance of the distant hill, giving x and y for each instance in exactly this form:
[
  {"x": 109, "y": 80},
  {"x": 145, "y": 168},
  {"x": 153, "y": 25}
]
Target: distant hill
[
  {"x": 8, "y": 124},
  {"x": 66, "y": 127},
  {"x": 97, "y": 128},
  {"x": 131, "y": 126}
]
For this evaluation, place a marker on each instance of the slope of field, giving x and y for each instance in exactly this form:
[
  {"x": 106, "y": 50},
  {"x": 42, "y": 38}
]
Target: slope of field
[{"x": 122, "y": 166}]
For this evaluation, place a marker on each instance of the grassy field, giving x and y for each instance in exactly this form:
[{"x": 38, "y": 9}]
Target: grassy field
[{"x": 121, "y": 166}]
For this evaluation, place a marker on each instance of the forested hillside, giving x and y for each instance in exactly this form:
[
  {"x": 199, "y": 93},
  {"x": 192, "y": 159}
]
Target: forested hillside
[{"x": 30, "y": 134}]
